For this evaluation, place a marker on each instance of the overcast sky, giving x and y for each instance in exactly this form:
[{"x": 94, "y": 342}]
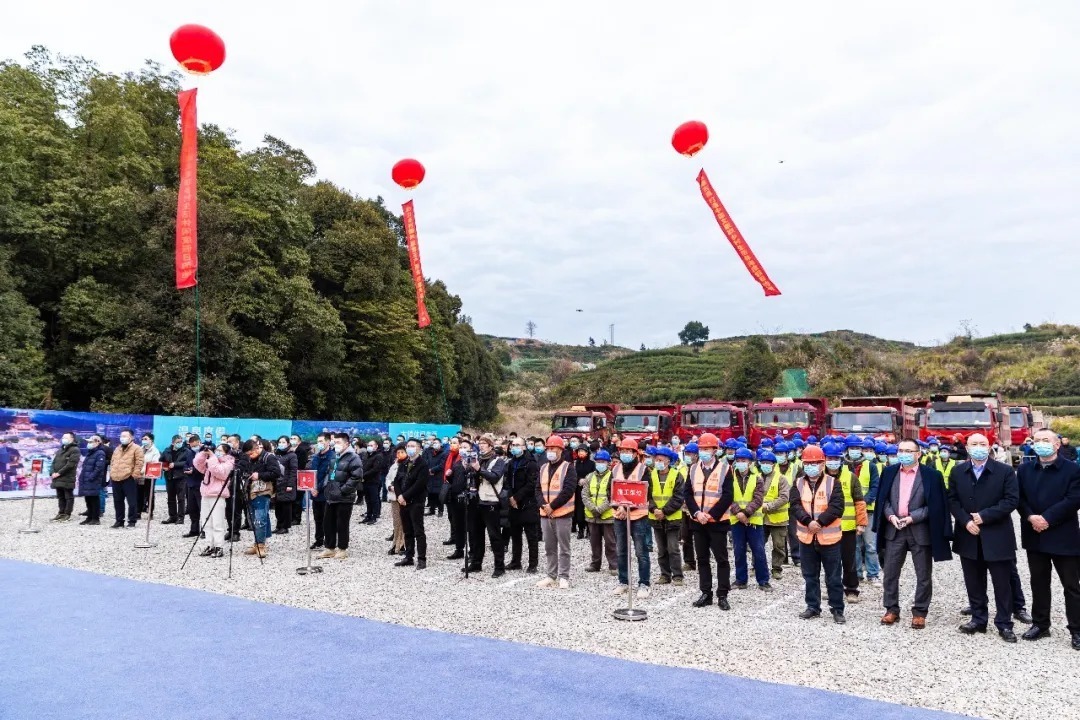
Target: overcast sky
[{"x": 930, "y": 166}]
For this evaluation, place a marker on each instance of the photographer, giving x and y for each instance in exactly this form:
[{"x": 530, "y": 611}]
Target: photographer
[
  {"x": 487, "y": 475},
  {"x": 457, "y": 498},
  {"x": 265, "y": 471},
  {"x": 341, "y": 491},
  {"x": 216, "y": 468}
]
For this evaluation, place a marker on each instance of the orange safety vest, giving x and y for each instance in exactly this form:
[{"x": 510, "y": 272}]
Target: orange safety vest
[
  {"x": 552, "y": 486},
  {"x": 707, "y": 493},
  {"x": 637, "y": 475},
  {"x": 815, "y": 503}
]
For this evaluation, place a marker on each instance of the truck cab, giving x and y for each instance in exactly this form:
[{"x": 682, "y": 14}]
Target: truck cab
[
  {"x": 724, "y": 419},
  {"x": 651, "y": 423},
  {"x": 783, "y": 417},
  {"x": 591, "y": 422},
  {"x": 965, "y": 415}
]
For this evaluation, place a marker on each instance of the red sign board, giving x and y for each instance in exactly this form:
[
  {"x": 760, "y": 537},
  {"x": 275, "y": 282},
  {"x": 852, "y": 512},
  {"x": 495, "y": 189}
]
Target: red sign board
[
  {"x": 153, "y": 470},
  {"x": 630, "y": 493},
  {"x": 36, "y": 465},
  {"x": 305, "y": 480}
]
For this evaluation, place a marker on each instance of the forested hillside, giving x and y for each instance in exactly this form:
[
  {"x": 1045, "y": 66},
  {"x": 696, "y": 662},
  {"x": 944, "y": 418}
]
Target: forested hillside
[{"x": 307, "y": 307}]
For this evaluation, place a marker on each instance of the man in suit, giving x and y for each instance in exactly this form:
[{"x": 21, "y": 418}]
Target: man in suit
[
  {"x": 911, "y": 517},
  {"x": 1050, "y": 532},
  {"x": 983, "y": 494}
]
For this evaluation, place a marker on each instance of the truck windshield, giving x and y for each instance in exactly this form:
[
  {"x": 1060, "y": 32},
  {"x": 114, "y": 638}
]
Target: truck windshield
[
  {"x": 862, "y": 421},
  {"x": 707, "y": 418},
  {"x": 782, "y": 418},
  {"x": 581, "y": 423},
  {"x": 1016, "y": 418},
  {"x": 958, "y": 418},
  {"x": 636, "y": 423}
]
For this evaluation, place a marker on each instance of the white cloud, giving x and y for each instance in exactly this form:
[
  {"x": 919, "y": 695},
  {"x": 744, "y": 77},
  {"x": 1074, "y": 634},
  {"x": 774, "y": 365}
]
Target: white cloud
[{"x": 929, "y": 164}]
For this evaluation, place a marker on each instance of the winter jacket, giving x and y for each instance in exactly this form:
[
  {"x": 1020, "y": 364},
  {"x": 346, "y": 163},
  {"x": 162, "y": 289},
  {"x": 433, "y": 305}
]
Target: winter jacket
[
  {"x": 175, "y": 462},
  {"x": 436, "y": 468},
  {"x": 321, "y": 462},
  {"x": 92, "y": 475},
  {"x": 65, "y": 463},
  {"x": 150, "y": 455},
  {"x": 268, "y": 469},
  {"x": 216, "y": 473},
  {"x": 348, "y": 474},
  {"x": 411, "y": 481},
  {"x": 521, "y": 481},
  {"x": 285, "y": 488},
  {"x": 373, "y": 467},
  {"x": 126, "y": 463},
  {"x": 490, "y": 479},
  {"x": 303, "y": 454}
]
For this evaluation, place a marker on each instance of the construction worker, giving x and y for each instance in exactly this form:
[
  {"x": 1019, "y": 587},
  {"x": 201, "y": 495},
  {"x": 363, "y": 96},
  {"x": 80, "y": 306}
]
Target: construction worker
[
  {"x": 881, "y": 448},
  {"x": 866, "y": 557},
  {"x": 812, "y": 440},
  {"x": 690, "y": 456},
  {"x": 790, "y": 466},
  {"x": 666, "y": 513},
  {"x": 892, "y": 455},
  {"x": 747, "y": 521},
  {"x": 555, "y": 496},
  {"x": 599, "y": 516},
  {"x": 708, "y": 497},
  {"x": 817, "y": 508},
  {"x": 854, "y": 518},
  {"x": 933, "y": 447},
  {"x": 630, "y": 467},
  {"x": 777, "y": 481},
  {"x": 945, "y": 463},
  {"x": 730, "y": 446}
]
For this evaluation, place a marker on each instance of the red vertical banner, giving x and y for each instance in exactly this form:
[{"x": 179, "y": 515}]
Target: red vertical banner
[
  {"x": 412, "y": 242},
  {"x": 187, "y": 244},
  {"x": 734, "y": 236}
]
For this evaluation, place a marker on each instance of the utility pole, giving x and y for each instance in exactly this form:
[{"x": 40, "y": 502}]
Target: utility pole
[{"x": 611, "y": 328}]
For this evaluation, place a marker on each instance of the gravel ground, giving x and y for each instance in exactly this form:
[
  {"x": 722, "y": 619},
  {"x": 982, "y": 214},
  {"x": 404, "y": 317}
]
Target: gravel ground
[{"x": 935, "y": 668}]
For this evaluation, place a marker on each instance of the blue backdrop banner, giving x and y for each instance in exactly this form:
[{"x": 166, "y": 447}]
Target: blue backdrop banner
[
  {"x": 415, "y": 430},
  {"x": 166, "y": 426},
  {"x": 308, "y": 429}
]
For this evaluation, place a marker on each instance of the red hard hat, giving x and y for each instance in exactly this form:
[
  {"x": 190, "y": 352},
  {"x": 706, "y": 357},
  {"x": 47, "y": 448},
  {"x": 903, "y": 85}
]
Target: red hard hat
[
  {"x": 555, "y": 441},
  {"x": 628, "y": 444},
  {"x": 813, "y": 453},
  {"x": 708, "y": 440}
]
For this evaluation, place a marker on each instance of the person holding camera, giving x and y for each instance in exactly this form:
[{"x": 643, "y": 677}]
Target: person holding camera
[
  {"x": 216, "y": 468},
  {"x": 265, "y": 471},
  {"x": 342, "y": 487},
  {"x": 459, "y": 481},
  {"x": 488, "y": 471}
]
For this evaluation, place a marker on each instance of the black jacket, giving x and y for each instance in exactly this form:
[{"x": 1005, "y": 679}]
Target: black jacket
[
  {"x": 348, "y": 474},
  {"x": 303, "y": 454},
  {"x": 995, "y": 496},
  {"x": 411, "y": 481},
  {"x": 374, "y": 469},
  {"x": 1053, "y": 492},
  {"x": 1068, "y": 452},
  {"x": 521, "y": 474},
  {"x": 179, "y": 459},
  {"x": 267, "y": 467},
  {"x": 285, "y": 487},
  {"x": 727, "y": 494},
  {"x": 836, "y": 502}
]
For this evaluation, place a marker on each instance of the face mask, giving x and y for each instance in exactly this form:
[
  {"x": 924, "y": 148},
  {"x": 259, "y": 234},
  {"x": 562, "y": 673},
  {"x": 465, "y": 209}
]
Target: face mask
[
  {"x": 372, "y": 448},
  {"x": 283, "y": 446},
  {"x": 793, "y": 456},
  {"x": 177, "y": 446},
  {"x": 219, "y": 454},
  {"x": 125, "y": 441},
  {"x": 341, "y": 448},
  {"x": 705, "y": 456},
  {"x": 893, "y": 459},
  {"x": 674, "y": 442},
  {"x": 320, "y": 446},
  {"x": 626, "y": 458},
  {"x": 742, "y": 466},
  {"x": 386, "y": 446},
  {"x": 529, "y": 447},
  {"x": 436, "y": 447},
  {"x": 855, "y": 454},
  {"x": 92, "y": 445},
  {"x": 933, "y": 448},
  {"x": 1043, "y": 449},
  {"x": 871, "y": 457},
  {"x": 601, "y": 467},
  {"x": 516, "y": 451},
  {"x": 906, "y": 459},
  {"x": 538, "y": 449},
  {"x": 812, "y": 471},
  {"x": 729, "y": 454},
  {"x": 944, "y": 454},
  {"x": 410, "y": 451},
  {"x": 978, "y": 453},
  {"x": 833, "y": 464},
  {"x": 766, "y": 468},
  {"x": 661, "y": 466},
  {"x": 293, "y": 442},
  {"x": 146, "y": 443},
  {"x": 552, "y": 456},
  {"x": 65, "y": 442},
  {"x": 649, "y": 462},
  {"x": 574, "y": 444},
  {"x": 208, "y": 439}
]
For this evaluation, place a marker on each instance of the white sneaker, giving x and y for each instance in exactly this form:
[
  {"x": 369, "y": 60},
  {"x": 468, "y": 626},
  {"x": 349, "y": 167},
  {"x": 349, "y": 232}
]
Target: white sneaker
[
  {"x": 643, "y": 592},
  {"x": 546, "y": 583},
  {"x": 564, "y": 584},
  {"x": 326, "y": 554},
  {"x": 341, "y": 555},
  {"x": 620, "y": 590}
]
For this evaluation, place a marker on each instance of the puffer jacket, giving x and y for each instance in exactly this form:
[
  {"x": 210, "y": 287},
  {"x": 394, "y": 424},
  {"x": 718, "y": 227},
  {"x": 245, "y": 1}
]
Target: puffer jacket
[
  {"x": 65, "y": 463},
  {"x": 92, "y": 475},
  {"x": 285, "y": 490},
  {"x": 349, "y": 473},
  {"x": 126, "y": 463},
  {"x": 216, "y": 473}
]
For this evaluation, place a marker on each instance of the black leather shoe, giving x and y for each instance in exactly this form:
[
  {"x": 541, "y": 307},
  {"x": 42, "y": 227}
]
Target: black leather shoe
[
  {"x": 739, "y": 586},
  {"x": 1007, "y": 635},
  {"x": 966, "y": 612},
  {"x": 170, "y": 521},
  {"x": 592, "y": 569},
  {"x": 474, "y": 568},
  {"x": 1076, "y": 641},
  {"x": 809, "y": 614},
  {"x": 499, "y": 572},
  {"x": 531, "y": 570},
  {"x": 1022, "y": 616},
  {"x": 514, "y": 566},
  {"x": 456, "y": 556},
  {"x": 316, "y": 545},
  {"x": 404, "y": 562},
  {"x": 421, "y": 564},
  {"x": 838, "y": 618},
  {"x": 722, "y": 603},
  {"x": 120, "y": 524},
  {"x": 705, "y": 599},
  {"x": 190, "y": 534},
  {"x": 445, "y": 542},
  {"x": 1036, "y": 633},
  {"x": 971, "y": 627}
]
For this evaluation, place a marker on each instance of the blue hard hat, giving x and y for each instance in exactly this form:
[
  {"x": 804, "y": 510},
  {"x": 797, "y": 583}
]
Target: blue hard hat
[
  {"x": 797, "y": 436},
  {"x": 832, "y": 450},
  {"x": 811, "y": 440},
  {"x": 892, "y": 449},
  {"x": 881, "y": 447},
  {"x": 853, "y": 441},
  {"x": 784, "y": 447},
  {"x": 932, "y": 441},
  {"x": 602, "y": 456},
  {"x": 921, "y": 443},
  {"x": 869, "y": 444},
  {"x": 691, "y": 449},
  {"x": 743, "y": 454},
  {"x": 765, "y": 456},
  {"x": 668, "y": 453},
  {"x": 731, "y": 444},
  {"x": 766, "y": 442},
  {"x": 742, "y": 439},
  {"x": 799, "y": 444},
  {"x": 650, "y": 450}
]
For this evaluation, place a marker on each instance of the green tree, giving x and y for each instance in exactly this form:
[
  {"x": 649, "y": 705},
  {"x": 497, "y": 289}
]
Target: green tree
[
  {"x": 23, "y": 380},
  {"x": 694, "y": 334},
  {"x": 755, "y": 372}
]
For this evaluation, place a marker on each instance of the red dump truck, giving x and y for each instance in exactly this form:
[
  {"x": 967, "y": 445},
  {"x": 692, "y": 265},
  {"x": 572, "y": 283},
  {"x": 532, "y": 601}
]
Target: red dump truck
[
  {"x": 648, "y": 422},
  {"x": 1023, "y": 422},
  {"x": 783, "y": 417},
  {"x": 591, "y": 422},
  {"x": 884, "y": 418},
  {"x": 725, "y": 419},
  {"x": 966, "y": 414}
]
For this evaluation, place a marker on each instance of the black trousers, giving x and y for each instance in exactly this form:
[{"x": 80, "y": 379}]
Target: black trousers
[
  {"x": 126, "y": 490},
  {"x": 93, "y": 507},
  {"x": 283, "y": 514},
  {"x": 194, "y": 505},
  {"x": 336, "y": 525},
  {"x": 372, "y": 489},
  {"x": 975, "y": 570},
  {"x": 177, "y": 495},
  {"x": 298, "y": 509},
  {"x": 527, "y": 522},
  {"x": 848, "y": 543},
  {"x": 712, "y": 537},
  {"x": 412, "y": 523},
  {"x": 578, "y": 523},
  {"x": 793, "y": 544},
  {"x": 1068, "y": 571},
  {"x": 318, "y": 514},
  {"x": 686, "y": 537},
  {"x": 458, "y": 531},
  {"x": 485, "y": 519},
  {"x": 65, "y": 500}
]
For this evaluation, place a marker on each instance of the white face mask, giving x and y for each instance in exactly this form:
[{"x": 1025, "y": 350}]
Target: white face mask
[{"x": 552, "y": 456}]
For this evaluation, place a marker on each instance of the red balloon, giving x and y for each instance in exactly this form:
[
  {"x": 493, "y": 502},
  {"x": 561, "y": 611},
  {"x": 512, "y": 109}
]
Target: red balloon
[
  {"x": 408, "y": 173},
  {"x": 198, "y": 49},
  {"x": 690, "y": 137}
]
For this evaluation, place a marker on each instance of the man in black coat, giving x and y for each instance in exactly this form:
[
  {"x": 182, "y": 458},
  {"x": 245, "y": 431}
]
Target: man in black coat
[
  {"x": 983, "y": 494},
  {"x": 521, "y": 477},
  {"x": 1050, "y": 532},
  {"x": 911, "y": 517},
  {"x": 411, "y": 488},
  {"x": 374, "y": 471}
]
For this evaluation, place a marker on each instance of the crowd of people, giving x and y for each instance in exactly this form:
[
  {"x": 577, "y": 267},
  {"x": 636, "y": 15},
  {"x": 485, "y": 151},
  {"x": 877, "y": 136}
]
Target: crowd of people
[{"x": 851, "y": 510}]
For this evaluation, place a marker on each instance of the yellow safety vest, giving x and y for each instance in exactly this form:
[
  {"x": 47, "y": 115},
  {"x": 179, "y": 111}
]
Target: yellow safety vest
[
  {"x": 945, "y": 470},
  {"x": 772, "y": 492},
  {"x": 743, "y": 497},
  {"x": 864, "y": 481},
  {"x": 848, "y": 520},
  {"x": 662, "y": 492},
  {"x": 598, "y": 492}
]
